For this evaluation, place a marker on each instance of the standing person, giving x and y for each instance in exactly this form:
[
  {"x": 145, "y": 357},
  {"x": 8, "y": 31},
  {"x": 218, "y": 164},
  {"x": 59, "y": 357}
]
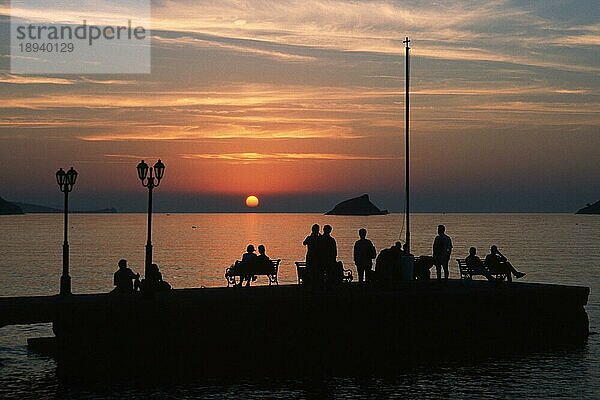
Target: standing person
[
  {"x": 328, "y": 251},
  {"x": 125, "y": 280},
  {"x": 495, "y": 261},
  {"x": 313, "y": 263},
  {"x": 364, "y": 253},
  {"x": 442, "y": 248}
]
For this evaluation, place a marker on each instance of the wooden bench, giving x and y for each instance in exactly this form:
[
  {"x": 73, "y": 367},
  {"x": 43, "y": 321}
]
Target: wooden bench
[
  {"x": 269, "y": 268},
  {"x": 302, "y": 272},
  {"x": 467, "y": 272}
]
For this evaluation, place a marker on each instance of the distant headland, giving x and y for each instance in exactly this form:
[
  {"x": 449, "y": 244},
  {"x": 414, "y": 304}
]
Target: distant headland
[
  {"x": 590, "y": 208},
  {"x": 8, "y": 208},
  {"x": 360, "y": 205},
  {"x": 16, "y": 208}
]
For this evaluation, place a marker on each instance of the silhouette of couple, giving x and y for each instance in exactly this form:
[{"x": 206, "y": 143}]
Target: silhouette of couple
[
  {"x": 250, "y": 257},
  {"x": 322, "y": 266},
  {"x": 127, "y": 281},
  {"x": 494, "y": 263}
]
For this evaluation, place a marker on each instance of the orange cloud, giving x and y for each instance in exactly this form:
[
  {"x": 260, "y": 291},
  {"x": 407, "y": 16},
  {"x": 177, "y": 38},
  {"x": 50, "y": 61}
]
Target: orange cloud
[{"x": 283, "y": 157}]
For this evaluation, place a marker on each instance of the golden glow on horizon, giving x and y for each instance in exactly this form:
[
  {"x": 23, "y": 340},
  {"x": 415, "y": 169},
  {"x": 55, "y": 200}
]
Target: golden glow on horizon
[
  {"x": 252, "y": 201},
  {"x": 262, "y": 99}
]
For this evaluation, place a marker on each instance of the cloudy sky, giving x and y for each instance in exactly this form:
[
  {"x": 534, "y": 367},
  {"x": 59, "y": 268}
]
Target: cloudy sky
[{"x": 301, "y": 103}]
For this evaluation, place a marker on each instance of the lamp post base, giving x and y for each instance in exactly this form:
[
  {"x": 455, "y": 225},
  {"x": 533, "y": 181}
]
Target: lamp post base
[{"x": 65, "y": 285}]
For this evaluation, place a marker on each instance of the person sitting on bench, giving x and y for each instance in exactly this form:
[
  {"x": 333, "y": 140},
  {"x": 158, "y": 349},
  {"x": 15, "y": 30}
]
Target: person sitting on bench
[
  {"x": 495, "y": 261},
  {"x": 475, "y": 264},
  {"x": 262, "y": 257},
  {"x": 248, "y": 257}
]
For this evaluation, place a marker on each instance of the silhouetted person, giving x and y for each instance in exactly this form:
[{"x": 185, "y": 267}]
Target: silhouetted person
[
  {"x": 495, "y": 261},
  {"x": 247, "y": 258},
  {"x": 364, "y": 253},
  {"x": 262, "y": 256},
  {"x": 125, "y": 280},
  {"x": 422, "y": 265},
  {"x": 386, "y": 264},
  {"x": 249, "y": 255},
  {"x": 328, "y": 254},
  {"x": 263, "y": 260},
  {"x": 474, "y": 263},
  {"x": 442, "y": 248},
  {"x": 314, "y": 267},
  {"x": 154, "y": 281},
  {"x": 382, "y": 265}
]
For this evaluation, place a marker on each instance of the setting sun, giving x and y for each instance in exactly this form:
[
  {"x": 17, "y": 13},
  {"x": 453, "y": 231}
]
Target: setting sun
[{"x": 252, "y": 201}]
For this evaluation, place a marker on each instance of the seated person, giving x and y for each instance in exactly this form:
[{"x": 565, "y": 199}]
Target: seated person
[
  {"x": 495, "y": 261},
  {"x": 475, "y": 264},
  {"x": 335, "y": 274},
  {"x": 125, "y": 280},
  {"x": 261, "y": 254},
  {"x": 262, "y": 260},
  {"x": 153, "y": 281},
  {"x": 386, "y": 264},
  {"x": 422, "y": 266},
  {"x": 247, "y": 257}
]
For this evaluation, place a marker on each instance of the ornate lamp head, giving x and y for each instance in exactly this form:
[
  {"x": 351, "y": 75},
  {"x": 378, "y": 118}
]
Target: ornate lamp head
[
  {"x": 142, "y": 169},
  {"x": 159, "y": 169},
  {"x": 61, "y": 176},
  {"x": 71, "y": 177}
]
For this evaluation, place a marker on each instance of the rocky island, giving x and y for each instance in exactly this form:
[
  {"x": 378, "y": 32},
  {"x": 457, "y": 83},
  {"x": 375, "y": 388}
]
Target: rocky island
[
  {"x": 360, "y": 205},
  {"x": 590, "y": 208}
]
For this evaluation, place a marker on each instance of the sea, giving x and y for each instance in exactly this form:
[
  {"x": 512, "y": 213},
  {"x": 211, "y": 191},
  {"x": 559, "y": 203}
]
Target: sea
[{"x": 193, "y": 250}]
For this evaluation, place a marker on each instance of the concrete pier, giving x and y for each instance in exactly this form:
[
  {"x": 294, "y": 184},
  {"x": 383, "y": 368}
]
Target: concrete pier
[{"x": 291, "y": 330}]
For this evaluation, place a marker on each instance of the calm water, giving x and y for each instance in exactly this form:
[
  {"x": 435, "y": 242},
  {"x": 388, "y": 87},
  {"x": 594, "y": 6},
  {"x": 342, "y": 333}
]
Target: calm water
[{"x": 193, "y": 250}]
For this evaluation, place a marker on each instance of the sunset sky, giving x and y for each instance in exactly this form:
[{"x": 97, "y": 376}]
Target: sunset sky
[{"x": 302, "y": 102}]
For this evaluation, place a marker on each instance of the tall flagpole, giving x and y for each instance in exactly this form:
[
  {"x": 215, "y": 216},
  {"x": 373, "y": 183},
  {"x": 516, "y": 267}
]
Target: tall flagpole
[{"x": 407, "y": 150}]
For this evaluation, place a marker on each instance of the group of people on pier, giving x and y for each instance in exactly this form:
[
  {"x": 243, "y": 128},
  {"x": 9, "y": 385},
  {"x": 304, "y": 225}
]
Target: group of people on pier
[
  {"x": 324, "y": 270},
  {"x": 322, "y": 265},
  {"x": 494, "y": 262}
]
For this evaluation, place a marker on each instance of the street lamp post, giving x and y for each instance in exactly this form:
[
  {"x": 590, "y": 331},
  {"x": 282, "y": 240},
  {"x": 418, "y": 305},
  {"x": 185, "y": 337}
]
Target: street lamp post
[
  {"x": 150, "y": 181},
  {"x": 66, "y": 181}
]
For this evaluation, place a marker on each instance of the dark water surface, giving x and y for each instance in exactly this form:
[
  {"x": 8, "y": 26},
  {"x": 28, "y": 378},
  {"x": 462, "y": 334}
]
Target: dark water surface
[{"x": 194, "y": 249}]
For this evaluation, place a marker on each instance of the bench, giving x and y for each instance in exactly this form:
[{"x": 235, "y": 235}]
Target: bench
[
  {"x": 467, "y": 273},
  {"x": 269, "y": 268},
  {"x": 302, "y": 272}
]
